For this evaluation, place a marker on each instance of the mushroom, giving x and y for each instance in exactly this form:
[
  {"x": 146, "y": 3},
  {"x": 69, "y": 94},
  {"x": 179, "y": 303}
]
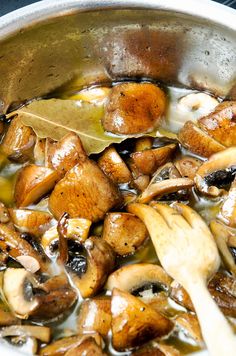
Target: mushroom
[
  {"x": 228, "y": 209},
  {"x": 32, "y": 183},
  {"x": 141, "y": 182},
  {"x": 226, "y": 242},
  {"x": 95, "y": 315},
  {"x": 84, "y": 192},
  {"x": 134, "y": 322},
  {"x": 39, "y": 151},
  {"x": 28, "y": 298},
  {"x": 42, "y": 333},
  {"x": 149, "y": 160},
  {"x": 149, "y": 350},
  {"x": 33, "y": 222},
  {"x": 64, "y": 154},
  {"x": 180, "y": 296},
  {"x": 134, "y": 277},
  {"x": 19, "y": 249},
  {"x": 19, "y": 141},
  {"x": 198, "y": 141},
  {"x": 217, "y": 172},
  {"x": 124, "y": 232},
  {"x": 197, "y": 104},
  {"x": 134, "y": 108},
  {"x": 162, "y": 183},
  {"x": 61, "y": 346},
  {"x": 6, "y": 316},
  {"x": 190, "y": 325},
  {"x": 188, "y": 166},
  {"x": 143, "y": 143},
  {"x": 4, "y": 215},
  {"x": 114, "y": 167},
  {"x": 168, "y": 350},
  {"x": 90, "y": 274},
  {"x": 88, "y": 348},
  {"x": 221, "y": 123},
  {"x": 96, "y": 95},
  {"x": 77, "y": 229}
]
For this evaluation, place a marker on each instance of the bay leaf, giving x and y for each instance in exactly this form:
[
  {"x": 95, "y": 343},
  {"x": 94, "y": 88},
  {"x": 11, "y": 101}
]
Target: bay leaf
[{"x": 54, "y": 118}]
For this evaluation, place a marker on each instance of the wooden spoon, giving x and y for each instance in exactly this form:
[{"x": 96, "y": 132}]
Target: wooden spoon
[{"x": 188, "y": 253}]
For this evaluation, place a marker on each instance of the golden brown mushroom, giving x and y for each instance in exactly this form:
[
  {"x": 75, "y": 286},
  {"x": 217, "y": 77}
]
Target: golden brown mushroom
[
  {"x": 33, "y": 182},
  {"x": 180, "y": 296},
  {"x": 4, "y": 215},
  {"x": 188, "y": 166},
  {"x": 64, "y": 154},
  {"x": 134, "y": 322},
  {"x": 189, "y": 323},
  {"x": 87, "y": 348},
  {"x": 197, "y": 141},
  {"x": 124, "y": 232},
  {"x": 33, "y": 222},
  {"x": 6, "y": 316},
  {"x": 98, "y": 264},
  {"x": 221, "y": 123},
  {"x": 42, "y": 333},
  {"x": 114, "y": 167},
  {"x": 19, "y": 141},
  {"x": 84, "y": 192},
  {"x": 95, "y": 315},
  {"x": 228, "y": 209},
  {"x": 217, "y": 172},
  {"x": 148, "y": 351},
  {"x": 134, "y": 108},
  {"x": 148, "y": 161}
]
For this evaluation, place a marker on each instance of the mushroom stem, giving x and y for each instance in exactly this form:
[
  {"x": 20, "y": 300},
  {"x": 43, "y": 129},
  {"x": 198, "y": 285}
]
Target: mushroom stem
[{"x": 62, "y": 232}]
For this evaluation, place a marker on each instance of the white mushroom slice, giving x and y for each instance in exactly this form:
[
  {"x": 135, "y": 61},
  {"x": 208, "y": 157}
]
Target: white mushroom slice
[
  {"x": 132, "y": 277},
  {"x": 228, "y": 209},
  {"x": 77, "y": 229},
  {"x": 195, "y": 105},
  {"x": 30, "y": 263},
  {"x": 219, "y": 170},
  {"x": 41, "y": 333},
  {"x": 39, "y": 151},
  {"x": 14, "y": 288}
]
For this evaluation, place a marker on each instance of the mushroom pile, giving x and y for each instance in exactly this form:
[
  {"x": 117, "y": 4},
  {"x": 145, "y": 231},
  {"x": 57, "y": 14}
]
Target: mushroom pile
[{"x": 79, "y": 274}]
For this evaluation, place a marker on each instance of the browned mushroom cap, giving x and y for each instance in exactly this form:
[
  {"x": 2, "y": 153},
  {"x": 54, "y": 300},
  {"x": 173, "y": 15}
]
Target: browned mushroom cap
[
  {"x": 226, "y": 242},
  {"x": 84, "y": 192},
  {"x": 88, "y": 348},
  {"x": 143, "y": 143},
  {"x": 133, "y": 277},
  {"x": 189, "y": 323},
  {"x": 95, "y": 315},
  {"x": 221, "y": 123},
  {"x": 217, "y": 172},
  {"x": 188, "y": 166},
  {"x": 64, "y": 154},
  {"x": 197, "y": 141},
  {"x": 148, "y": 161},
  {"x": 228, "y": 209},
  {"x": 33, "y": 182},
  {"x": 134, "y": 108},
  {"x": 19, "y": 141},
  {"x": 134, "y": 322},
  {"x": 61, "y": 346},
  {"x": 124, "y": 232},
  {"x": 34, "y": 222},
  {"x": 100, "y": 262},
  {"x": 4, "y": 215},
  {"x": 27, "y": 297},
  {"x": 19, "y": 249},
  {"x": 180, "y": 296},
  {"x": 114, "y": 167}
]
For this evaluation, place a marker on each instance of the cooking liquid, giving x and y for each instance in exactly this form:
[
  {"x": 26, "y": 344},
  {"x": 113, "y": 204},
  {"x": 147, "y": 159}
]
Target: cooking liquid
[{"x": 209, "y": 209}]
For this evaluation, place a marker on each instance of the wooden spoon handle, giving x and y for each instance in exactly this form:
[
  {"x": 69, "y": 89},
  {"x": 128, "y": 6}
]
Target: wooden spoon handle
[{"x": 216, "y": 331}]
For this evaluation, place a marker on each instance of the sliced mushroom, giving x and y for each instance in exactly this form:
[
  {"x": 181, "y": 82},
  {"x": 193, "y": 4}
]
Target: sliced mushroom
[
  {"x": 134, "y": 108},
  {"x": 13, "y": 245},
  {"x": 148, "y": 161},
  {"x": 217, "y": 172},
  {"x": 124, "y": 232},
  {"x": 197, "y": 104},
  {"x": 6, "y": 316},
  {"x": 27, "y": 297},
  {"x": 226, "y": 242},
  {"x": 42, "y": 333},
  {"x": 114, "y": 167},
  {"x": 33, "y": 182},
  {"x": 169, "y": 350},
  {"x": 61, "y": 346},
  {"x": 188, "y": 166},
  {"x": 141, "y": 182},
  {"x": 134, "y": 322},
  {"x": 221, "y": 123},
  {"x": 88, "y": 348},
  {"x": 65, "y": 154},
  {"x": 228, "y": 209},
  {"x": 95, "y": 269},
  {"x": 189, "y": 323},
  {"x": 134, "y": 277},
  {"x": 143, "y": 143},
  {"x": 84, "y": 192},
  {"x": 19, "y": 141},
  {"x": 33, "y": 222},
  {"x": 4, "y": 215},
  {"x": 95, "y": 315},
  {"x": 197, "y": 141},
  {"x": 39, "y": 151},
  {"x": 180, "y": 296},
  {"x": 148, "y": 351},
  {"x": 77, "y": 229}
]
